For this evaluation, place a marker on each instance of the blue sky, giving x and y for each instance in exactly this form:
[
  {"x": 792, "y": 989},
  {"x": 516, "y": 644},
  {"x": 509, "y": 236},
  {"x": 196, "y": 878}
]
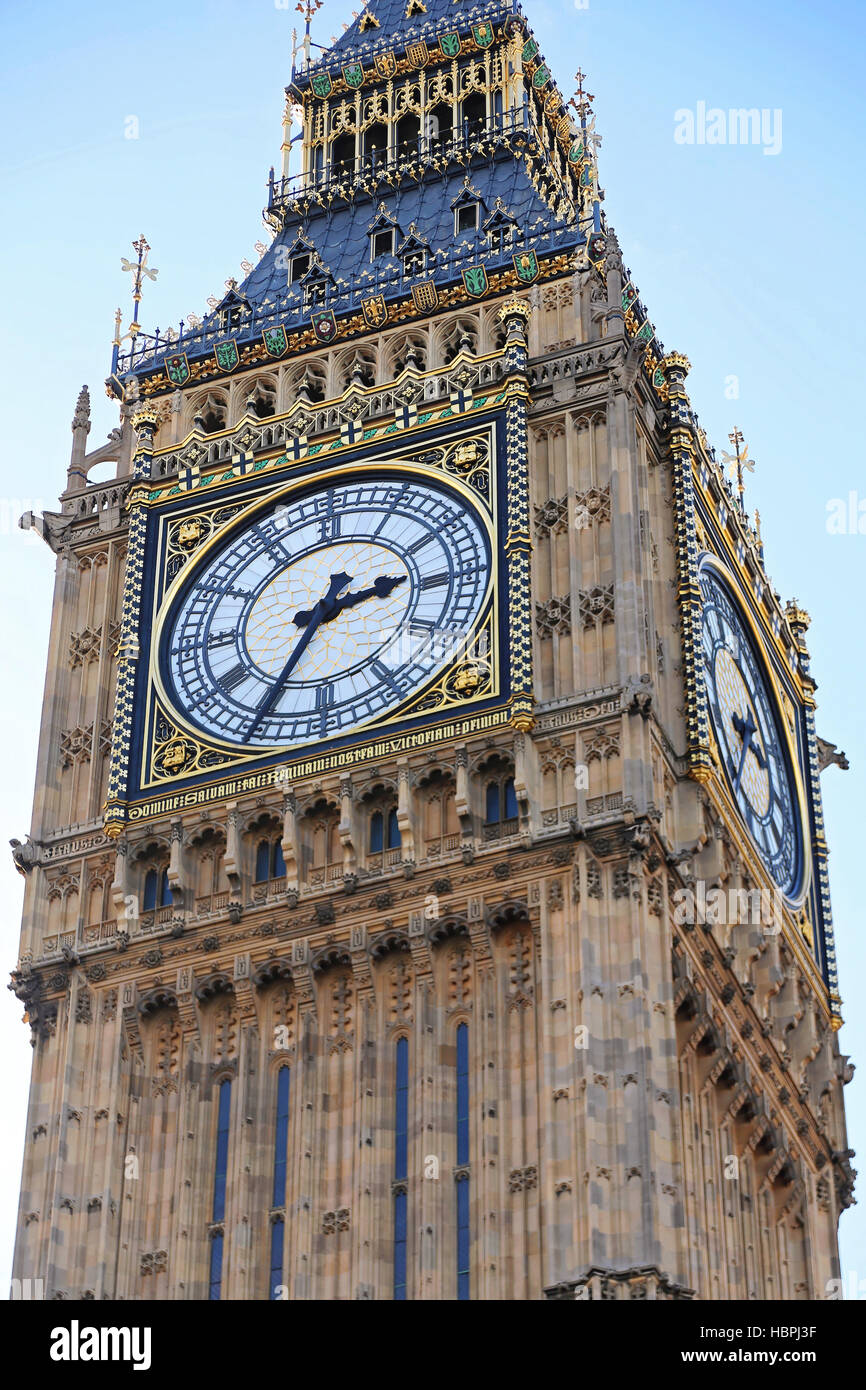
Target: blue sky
[{"x": 742, "y": 258}]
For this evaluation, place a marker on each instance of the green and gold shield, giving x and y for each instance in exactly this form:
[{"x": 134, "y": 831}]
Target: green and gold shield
[
  {"x": 354, "y": 75},
  {"x": 275, "y": 341},
  {"x": 177, "y": 369},
  {"x": 526, "y": 265},
  {"x": 475, "y": 280},
  {"x": 227, "y": 356},
  {"x": 322, "y": 84}
]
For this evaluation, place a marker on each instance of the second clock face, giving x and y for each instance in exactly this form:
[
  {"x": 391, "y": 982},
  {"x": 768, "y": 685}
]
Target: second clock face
[
  {"x": 745, "y": 720},
  {"x": 328, "y": 612}
]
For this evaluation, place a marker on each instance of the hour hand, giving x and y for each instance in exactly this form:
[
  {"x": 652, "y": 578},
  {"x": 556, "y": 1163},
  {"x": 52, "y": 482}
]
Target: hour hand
[
  {"x": 382, "y": 587},
  {"x": 327, "y": 607}
]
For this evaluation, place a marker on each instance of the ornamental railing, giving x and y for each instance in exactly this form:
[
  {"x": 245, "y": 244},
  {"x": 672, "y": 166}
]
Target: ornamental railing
[{"x": 373, "y": 171}]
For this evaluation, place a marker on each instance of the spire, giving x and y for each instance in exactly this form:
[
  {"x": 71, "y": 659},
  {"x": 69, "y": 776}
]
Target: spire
[{"x": 76, "y": 477}]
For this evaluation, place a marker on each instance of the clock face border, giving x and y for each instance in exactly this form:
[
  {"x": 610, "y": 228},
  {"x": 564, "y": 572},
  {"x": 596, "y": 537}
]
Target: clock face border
[
  {"x": 789, "y": 751},
  {"x": 258, "y": 495}
]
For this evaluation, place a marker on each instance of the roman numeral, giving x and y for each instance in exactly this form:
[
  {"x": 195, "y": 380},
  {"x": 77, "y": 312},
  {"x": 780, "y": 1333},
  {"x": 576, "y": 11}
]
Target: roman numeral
[
  {"x": 434, "y": 581},
  {"x": 220, "y": 639},
  {"x": 233, "y": 678},
  {"x": 419, "y": 545}
]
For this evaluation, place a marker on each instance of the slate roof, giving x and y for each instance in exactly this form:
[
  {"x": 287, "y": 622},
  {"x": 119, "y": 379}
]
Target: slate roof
[
  {"x": 396, "y": 30},
  {"x": 339, "y": 232}
]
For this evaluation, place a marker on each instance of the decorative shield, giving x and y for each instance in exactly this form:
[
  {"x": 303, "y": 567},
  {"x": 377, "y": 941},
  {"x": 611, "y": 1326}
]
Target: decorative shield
[
  {"x": 645, "y": 333},
  {"x": 541, "y": 77},
  {"x": 596, "y": 247},
  {"x": 275, "y": 340},
  {"x": 526, "y": 265},
  {"x": 483, "y": 34},
  {"x": 322, "y": 84},
  {"x": 417, "y": 54},
  {"x": 450, "y": 45},
  {"x": 563, "y": 129},
  {"x": 405, "y": 416},
  {"x": 375, "y": 312},
  {"x": 226, "y": 355},
  {"x": 530, "y": 50},
  {"x": 426, "y": 296},
  {"x": 475, "y": 280},
  {"x": 177, "y": 369},
  {"x": 354, "y": 75},
  {"x": 386, "y": 63},
  {"x": 586, "y": 174},
  {"x": 577, "y": 151},
  {"x": 324, "y": 325},
  {"x": 629, "y": 296},
  {"x": 296, "y": 447},
  {"x": 552, "y": 102},
  {"x": 659, "y": 378}
]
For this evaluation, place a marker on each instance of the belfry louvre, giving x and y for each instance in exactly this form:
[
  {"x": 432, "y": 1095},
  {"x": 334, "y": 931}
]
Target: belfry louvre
[{"x": 417, "y": 706}]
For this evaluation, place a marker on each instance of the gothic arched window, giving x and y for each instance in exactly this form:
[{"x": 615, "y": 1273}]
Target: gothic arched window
[
  {"x": 473, "y": 115},
  {"x": 269, "y": 861},
  {"x": 157, "y": 892},
  {"x": 500, "y": 802}
]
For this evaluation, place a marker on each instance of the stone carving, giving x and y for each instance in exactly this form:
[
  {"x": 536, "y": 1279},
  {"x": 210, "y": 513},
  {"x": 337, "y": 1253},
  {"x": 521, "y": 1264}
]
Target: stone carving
[
  {"x": 553, "y": 616},
  {"x": 552, "y": 517},
  {"x": 596, "y": 606}
]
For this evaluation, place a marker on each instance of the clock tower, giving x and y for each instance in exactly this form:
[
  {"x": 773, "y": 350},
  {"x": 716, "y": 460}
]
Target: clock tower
[{"x": 427, "y": 888}]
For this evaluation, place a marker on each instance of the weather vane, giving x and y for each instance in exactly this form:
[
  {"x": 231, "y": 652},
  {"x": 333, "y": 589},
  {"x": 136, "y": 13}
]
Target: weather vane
[{"x": 739, "y": 463}]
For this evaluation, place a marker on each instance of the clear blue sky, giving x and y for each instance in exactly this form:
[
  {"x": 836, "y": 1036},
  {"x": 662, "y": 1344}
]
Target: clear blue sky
[{"x": 747, "y": 262}]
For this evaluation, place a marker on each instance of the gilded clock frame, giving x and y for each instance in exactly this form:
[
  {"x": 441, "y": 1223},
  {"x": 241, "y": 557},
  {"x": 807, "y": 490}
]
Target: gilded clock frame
[
  {"x": 205, "y": 757},
  {"x": 719, "y": 780}
]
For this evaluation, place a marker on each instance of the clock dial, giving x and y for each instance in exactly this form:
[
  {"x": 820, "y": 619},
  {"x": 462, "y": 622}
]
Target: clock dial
[
  {"x": 746, "y": 723},
  {"x": 327, "y": 612}
]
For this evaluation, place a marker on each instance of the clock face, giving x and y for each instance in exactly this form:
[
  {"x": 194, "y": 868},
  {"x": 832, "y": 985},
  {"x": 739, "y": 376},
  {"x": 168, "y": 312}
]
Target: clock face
[
  {"x": 327, "y": 612},
  {"x": 746, "y": 723}
]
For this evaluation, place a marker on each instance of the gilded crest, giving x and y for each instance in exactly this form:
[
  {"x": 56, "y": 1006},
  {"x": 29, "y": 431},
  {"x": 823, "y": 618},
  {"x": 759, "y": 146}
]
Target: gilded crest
[
  {"x": 417, "y": 54},
  {"x": 426, "y": 296},
  {"x": 374, "y": 309},
  {"x": 386, "y": 64}
]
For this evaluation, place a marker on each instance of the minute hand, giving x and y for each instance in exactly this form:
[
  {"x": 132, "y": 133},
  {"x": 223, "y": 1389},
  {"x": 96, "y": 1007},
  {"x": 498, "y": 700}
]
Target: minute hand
[{"x": 276, "y": 691}]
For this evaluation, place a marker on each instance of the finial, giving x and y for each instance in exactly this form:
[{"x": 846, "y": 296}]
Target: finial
[
  {"x": 797, "y": 616},
  {"x": 81, "y": 418},
  {"x": 308, "y": 8},
  {"x": 139, "y": 270},
  {"x": 739, "y": 463},
  {"x": 582, "y": 100},
  {"x": 758, "y": 526}
]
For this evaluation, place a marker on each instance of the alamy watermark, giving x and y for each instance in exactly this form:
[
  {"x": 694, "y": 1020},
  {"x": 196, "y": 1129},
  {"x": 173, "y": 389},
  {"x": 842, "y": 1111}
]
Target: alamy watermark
[
  {"x": 732, "y": 907},
  {"x": 736, "y": 126}
]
